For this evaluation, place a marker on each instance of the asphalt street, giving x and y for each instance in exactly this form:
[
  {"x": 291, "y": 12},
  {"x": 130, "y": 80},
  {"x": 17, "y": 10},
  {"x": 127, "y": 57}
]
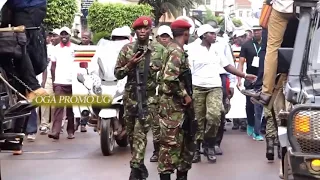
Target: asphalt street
[{"x": 81, "y": 159}]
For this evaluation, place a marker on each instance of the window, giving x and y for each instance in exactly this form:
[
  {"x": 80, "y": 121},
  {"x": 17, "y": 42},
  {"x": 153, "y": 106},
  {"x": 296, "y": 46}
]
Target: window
[
  {"x": 240, "y": 13},
  {"x": 208, "y": 2},
  {"x": 248, "y": 14}
]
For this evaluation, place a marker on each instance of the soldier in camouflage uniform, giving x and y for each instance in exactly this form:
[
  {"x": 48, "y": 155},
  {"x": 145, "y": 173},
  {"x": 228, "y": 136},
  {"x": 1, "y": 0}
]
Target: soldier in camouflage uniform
[
  {"x": 175, "y": 152},
  {"x": 125, "y": 66},
  {"x": 273, "y": 122},
  {"x": 164, "y": 36},
  {"x": 207, "y": 88}
]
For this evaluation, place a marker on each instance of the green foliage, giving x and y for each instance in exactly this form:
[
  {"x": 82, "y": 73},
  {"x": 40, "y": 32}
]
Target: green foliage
[
  {"x": 104, "y": 17},
  {"x": 161, "y": 7},
  {"x": 237, "y": 22},
  {"x": 60, "y": 13}
]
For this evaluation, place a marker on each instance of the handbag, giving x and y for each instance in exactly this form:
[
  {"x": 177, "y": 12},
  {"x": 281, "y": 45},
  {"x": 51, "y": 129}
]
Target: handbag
[
  {"x": 12, "y": 45},
  {"x": 265, "y": 14}
]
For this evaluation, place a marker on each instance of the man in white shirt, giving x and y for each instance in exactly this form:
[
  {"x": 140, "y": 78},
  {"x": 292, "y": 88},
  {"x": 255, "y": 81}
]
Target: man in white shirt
[
  {"x": 282, "y": 12},
  {"x": 62, "y": 60},
  {"x": 228, "y": 84},
  {"x": 205, "y": 64}
]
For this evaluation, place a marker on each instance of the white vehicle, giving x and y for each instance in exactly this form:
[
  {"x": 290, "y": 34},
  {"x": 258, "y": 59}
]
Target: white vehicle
[
  {"x": 110, "y": 124},
  {"x": 98, "y": 79}
]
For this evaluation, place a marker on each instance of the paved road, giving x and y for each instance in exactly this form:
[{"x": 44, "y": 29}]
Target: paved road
[{"x": 81, "y": 159}]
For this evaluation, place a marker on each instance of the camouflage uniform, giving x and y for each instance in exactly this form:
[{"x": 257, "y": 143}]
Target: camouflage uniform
[
  {"x": 271, "y": 128},
  {"x": 137, "y": 131},
  {"x": 175, "y": 151},
  {"x": 208, "y": 107}
]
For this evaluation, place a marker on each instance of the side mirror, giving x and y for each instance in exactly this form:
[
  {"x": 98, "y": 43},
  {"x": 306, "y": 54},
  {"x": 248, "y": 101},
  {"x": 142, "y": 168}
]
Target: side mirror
[{"x": 80, "y": 78}]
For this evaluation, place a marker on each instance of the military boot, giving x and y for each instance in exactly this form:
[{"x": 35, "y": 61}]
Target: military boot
[
  {"x": 236, "y": 124},
  {"x": 135, "y": 174},
  {"x": 270, "y": 149},
  {"x": 210, "y": 150},
  {"x": 182, "y": 175},
  {"x": 155, "y": 156},
  {"x": 144, "y": 171},
  {"x": 197, "y": 155},
  {"x": 165, "y": 176}
]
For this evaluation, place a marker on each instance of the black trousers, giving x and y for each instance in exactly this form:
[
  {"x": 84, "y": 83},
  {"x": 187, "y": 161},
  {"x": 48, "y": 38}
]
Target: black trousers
[{"x": 28, "y": 67}]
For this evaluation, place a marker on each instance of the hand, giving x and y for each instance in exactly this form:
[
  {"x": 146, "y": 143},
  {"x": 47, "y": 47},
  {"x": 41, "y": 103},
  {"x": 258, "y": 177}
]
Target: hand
[
  {"x": 135, "y": 60},
  {"x": 231, "y": 93},
  {"x": 239, "y": 84},
  {"x": 251, "y": 77},
  {"x": 187, "y": 100}
]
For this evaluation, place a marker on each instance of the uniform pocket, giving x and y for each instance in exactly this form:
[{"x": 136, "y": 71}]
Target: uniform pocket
[{"x": 169, "y": 131}]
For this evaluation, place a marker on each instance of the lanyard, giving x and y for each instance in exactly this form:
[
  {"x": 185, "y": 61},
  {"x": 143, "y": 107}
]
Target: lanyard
[{"x": 255, "y": 47}]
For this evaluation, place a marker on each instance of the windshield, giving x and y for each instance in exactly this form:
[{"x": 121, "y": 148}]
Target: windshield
[
  {"x": 312, "y": 81},
  {"x": 106, "y": 57}
]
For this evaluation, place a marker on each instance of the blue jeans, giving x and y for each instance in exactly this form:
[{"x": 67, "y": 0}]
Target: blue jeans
[
  {"x": 32, "y": 126},
  {"x": 254, "y": 115},
  {"x": 258, "y": 115}
]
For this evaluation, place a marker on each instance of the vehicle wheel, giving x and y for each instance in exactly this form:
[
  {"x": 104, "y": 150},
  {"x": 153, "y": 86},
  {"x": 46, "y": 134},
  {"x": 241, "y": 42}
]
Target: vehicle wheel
[
  {"x": 106, "y": 137},
  {"x": 123, "y": 142}
]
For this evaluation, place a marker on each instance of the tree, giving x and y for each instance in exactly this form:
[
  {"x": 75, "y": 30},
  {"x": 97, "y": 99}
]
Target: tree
[
  {"x": 171, "y": 7},
  {"x": 60, "y": 13}
]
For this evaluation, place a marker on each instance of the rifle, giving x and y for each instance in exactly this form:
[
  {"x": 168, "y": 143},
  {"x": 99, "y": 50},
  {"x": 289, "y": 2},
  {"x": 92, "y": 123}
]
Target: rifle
[
  {"x": 141, "y": 86},
  {"x": 190, "y": 123}
]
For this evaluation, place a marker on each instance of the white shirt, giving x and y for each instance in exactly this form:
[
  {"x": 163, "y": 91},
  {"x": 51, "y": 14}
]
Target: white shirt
[
  {"x": 284, "y": 6},
  {"x": 205, "y": 65},
  {"x": 64, "y": 57}
]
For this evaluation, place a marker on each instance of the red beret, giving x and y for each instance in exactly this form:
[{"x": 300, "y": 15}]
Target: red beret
[
  {"x": 180, "y": 24},
  {"x": 143, "y": 21}
]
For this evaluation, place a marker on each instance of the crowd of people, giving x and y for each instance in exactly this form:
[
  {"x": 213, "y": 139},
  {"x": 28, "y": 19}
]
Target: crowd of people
[
  {"x": 172, "y": 64},
  {"x": 56, "y": 79}
]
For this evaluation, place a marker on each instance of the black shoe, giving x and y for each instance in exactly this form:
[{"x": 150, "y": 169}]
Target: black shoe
[
  {"x": 155, "y": 155},
  {"x": 135, "y": 174},
  {"x": 144, "y": 171},
  {"x": 263, "y": 131},
  {"x": 182, "y": 175},
  {"x": 197, "y": 155},
  {"x": 218, "y": 150},
  {"x": 236, "y": 124},
  {"x": 165, "y": 176},
  {"x": 270, "y": 149}
]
